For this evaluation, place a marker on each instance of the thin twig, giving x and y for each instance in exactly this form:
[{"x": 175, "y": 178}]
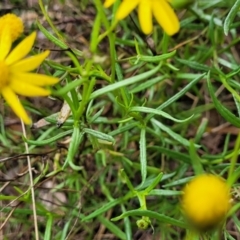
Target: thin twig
[
  {"x": 31, "y": 183},
  {"x": 7, "y": 218},
  {"x": 23, "y": 156}
]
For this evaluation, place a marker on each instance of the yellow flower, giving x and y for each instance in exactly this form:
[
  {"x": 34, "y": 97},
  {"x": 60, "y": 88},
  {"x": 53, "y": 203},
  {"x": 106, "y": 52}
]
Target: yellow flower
[
  {"x": 14, "y": 23},
  {"x": 160, "y": 9},
  {"x": 206, "y": 201},
  {"x": 14, "y": 72}
]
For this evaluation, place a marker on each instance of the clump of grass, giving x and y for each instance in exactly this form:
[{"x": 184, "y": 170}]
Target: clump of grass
[{"x": 135, "y": 119}]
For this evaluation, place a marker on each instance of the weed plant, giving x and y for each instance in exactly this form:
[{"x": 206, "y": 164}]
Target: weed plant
[{"x": 132, "y": 120}]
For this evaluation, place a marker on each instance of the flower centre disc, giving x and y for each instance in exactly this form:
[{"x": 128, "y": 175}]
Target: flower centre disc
[{"x": 4, "y": 75}]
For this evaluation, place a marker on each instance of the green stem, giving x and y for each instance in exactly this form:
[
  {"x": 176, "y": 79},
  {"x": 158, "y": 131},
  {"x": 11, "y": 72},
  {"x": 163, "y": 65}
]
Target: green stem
[
  {"x": 49, "y": 20},
  {"x": 87, "y": 90},
  {"x": 234, "y": 160},
  {"x": 111, "y": 28},
  {"x": 230, "y": 89}
]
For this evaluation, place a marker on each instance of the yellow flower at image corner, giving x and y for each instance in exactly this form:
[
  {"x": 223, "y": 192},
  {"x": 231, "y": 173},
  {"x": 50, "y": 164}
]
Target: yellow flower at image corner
[
  {"x": 206, "y": 201},
  {"x": 160, "y": 9},
  {"x": 15, "y": 75},
  {"x": 14, "y": 23}
]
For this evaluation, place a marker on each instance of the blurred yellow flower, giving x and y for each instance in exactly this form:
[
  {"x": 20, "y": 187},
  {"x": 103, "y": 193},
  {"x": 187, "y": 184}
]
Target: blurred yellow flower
[
  {"x": 160, "y": 9},
  {"x": 14, "y": 23},
  {"x": 14, "y": 72},
  {"x": 206, "y": 201}
]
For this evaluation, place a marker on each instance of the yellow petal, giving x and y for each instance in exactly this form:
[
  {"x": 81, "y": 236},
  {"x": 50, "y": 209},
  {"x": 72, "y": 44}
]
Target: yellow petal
[
  {"x": 5, "y": 43},
  {"x": 145, "y": 16},
  {"x": 165, "y": 16},
  {"x": 13, "y": 101},
  {"x": 21, "y": 50},
  {"x": 26, "y": 89},
  {"x": 33, "y": 79},
  {"x": 30, "y": 63},
  {"x": 108, "y": 3},
  {"x": 126, "y": 7}
]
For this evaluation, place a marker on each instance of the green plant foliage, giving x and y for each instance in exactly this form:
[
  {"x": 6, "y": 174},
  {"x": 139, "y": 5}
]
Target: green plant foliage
[{"x": 132, "y": 120}]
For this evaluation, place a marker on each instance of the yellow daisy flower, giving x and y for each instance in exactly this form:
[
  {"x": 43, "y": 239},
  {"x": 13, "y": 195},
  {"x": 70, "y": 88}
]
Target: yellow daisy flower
[
  {"x": 206, "y": 201},
  {"x": 14, "y": 72},
  {"x": 160, "y": 9},
  {"x": 14, "y": 23}
]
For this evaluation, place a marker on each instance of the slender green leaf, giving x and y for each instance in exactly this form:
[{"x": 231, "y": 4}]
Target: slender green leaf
[
  {"x": 143, "y": 154},
  {"x": 73, "y": 147},
  {"x": 233, "y": 73},
  {"x": 26, "y": 212},
  {"x": 154, "y": 183},
  {"x": 126, "y": 180},
  {"x": 194, "y": 65},
  {"x": 56, "y": 41},
  {"x": 127, "y": 225},
  {"x": 123, "y": 129},
  {"x": 99, "y": 135},
  {"x": 178, "y": 95},
  {"x": 230, "y": 17},
  {"x": 50, "y": 37},
  {"x": 160, "y": 217},
  {"x": 171, "y": 133},
  {"x": 163, "y": 192},
  {"x": 49, "y": 226},
  {"x": 106, "y": 207},
  {"x": 49, "y": 140},
  {"x": 148, "y": 84},
  {"x": 70, "y": 86},
  {"x": 177, "y": 182},
  {"x": 234, "y": 84},
  {"x": 112, "y": 227},
  {"x": 95, "y": 33},
  {"x": 196, "y": 160},
  {"x": 126, "y": 82},
  {"x": 157, "y": 112},
  {"x": 237, "y": 103},
  {"x": 65, "y": 230},
  {"x": 156, "y": 58},
  {"x": 225, "y": 113},
  {"x": 178, "y": 156},
  {"x": 201, "y": 130}
]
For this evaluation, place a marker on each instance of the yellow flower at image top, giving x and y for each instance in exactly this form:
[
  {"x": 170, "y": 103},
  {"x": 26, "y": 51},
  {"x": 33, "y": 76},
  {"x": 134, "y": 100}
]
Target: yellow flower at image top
[
  {"x": 14, "y": 23},
  {"x": 15, "y": 75},
  {"x": 160, "y": 9},
  {"x": 206, "y": 201}
]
